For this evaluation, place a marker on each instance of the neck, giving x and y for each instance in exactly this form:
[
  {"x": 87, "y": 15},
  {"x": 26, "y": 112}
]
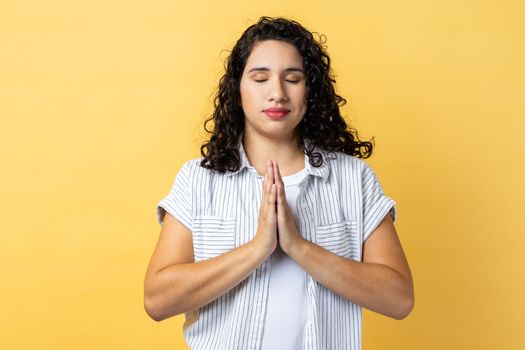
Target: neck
[{"x": 259, "y": 150}]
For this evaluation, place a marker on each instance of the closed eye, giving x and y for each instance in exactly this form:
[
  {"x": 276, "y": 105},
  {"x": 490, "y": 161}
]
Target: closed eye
[{"x": 290, "y": 81}]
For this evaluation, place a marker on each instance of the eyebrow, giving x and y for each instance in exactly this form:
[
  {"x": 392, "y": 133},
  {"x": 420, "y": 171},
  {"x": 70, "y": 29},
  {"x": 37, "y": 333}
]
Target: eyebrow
[{"x": 265, "y": 69}]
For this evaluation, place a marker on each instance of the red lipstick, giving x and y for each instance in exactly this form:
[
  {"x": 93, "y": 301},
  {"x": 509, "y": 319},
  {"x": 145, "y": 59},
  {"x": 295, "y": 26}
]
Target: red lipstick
[{"x": 276, "y": 113}]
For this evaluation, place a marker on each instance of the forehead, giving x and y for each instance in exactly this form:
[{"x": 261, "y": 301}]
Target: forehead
[{"x": 274, "y": 54}]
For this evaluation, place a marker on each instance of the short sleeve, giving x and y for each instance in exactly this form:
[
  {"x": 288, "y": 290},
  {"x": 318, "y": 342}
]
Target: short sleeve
[
  {"x": 375, "y": 203},
  {"x": 178, "y": 202}
]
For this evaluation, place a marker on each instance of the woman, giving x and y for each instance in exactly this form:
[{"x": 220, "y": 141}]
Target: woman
[{"x": 279, "y": 233}]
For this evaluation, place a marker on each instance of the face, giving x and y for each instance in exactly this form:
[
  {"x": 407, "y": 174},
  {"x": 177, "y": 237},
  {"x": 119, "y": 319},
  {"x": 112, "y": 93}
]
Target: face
[{"x": 273, "y": 79}]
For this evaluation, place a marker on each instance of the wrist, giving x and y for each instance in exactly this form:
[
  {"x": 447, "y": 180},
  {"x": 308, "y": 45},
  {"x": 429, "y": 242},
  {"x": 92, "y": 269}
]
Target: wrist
[
  {"x": 260, "y": 249},
  {"x": 295, "y": 249}
]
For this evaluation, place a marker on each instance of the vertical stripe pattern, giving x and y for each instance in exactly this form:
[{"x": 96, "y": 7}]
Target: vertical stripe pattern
[{"x": 339, "y": 206}]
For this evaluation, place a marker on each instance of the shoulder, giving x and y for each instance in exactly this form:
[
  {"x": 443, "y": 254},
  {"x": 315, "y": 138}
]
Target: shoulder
[
  {"x": 192, "y": 168},
  {"x": 192, "y": 165},
  {"x": 347, "y": 169},
  {"x": 339, "y": 161}
]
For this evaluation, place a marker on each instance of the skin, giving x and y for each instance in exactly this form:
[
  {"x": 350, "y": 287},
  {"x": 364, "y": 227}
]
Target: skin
[
  {"x": 273, "y": 77},
  {"x": 381, "y": 283},
  {"x": 174, "y": 283}
]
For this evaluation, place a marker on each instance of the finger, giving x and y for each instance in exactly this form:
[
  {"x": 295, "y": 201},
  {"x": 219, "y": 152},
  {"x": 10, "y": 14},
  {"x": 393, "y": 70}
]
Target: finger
[
  {"x": 277, "y": 171},
  {"x": 272, "y": 198},
  {"x": 277, "y": 174},
  {"x": 273, "y": 193},
  {"x": 267, "y": 182},
  {"x": 271, "y": 177},
  {"x": 281, "y": 196},
  {"x": 283, "y": 210}
]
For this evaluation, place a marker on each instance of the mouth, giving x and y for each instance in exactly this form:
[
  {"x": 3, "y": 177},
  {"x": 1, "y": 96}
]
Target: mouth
[{"x": 276, "y": 113}]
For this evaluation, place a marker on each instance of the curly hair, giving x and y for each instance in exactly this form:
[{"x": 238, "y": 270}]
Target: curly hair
[{"x": 322, "y": 124}]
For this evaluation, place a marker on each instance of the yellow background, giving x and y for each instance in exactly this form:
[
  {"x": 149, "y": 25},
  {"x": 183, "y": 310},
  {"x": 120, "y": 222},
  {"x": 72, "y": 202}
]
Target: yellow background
[{"x": 102, "y": 101}]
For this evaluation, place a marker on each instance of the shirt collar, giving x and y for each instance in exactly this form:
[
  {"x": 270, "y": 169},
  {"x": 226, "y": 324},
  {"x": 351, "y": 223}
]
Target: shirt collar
[{"x": 321, "y": 171}]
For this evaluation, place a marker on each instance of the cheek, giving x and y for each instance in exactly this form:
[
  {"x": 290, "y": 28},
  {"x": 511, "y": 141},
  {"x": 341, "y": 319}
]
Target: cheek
[
  {"x": 248, "y": 100},
  {"x": 302, "y": 96},
  {"x": 244, "y": 96},
  {"x": 250, "y": 96}
]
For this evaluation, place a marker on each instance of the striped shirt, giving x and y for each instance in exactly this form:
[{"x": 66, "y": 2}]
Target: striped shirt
[{"x": 339, "y": 205}]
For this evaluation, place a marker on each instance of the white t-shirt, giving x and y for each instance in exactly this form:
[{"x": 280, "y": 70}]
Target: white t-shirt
[{"x": 287, "y": 301}]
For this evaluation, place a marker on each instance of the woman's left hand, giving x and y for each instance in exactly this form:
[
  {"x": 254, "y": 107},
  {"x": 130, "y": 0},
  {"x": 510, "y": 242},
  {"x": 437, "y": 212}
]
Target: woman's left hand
[{"x": 288, "y": 235}]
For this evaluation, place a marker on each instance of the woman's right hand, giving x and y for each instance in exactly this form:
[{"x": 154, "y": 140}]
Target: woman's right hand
[{"x": 266, "y": 235}]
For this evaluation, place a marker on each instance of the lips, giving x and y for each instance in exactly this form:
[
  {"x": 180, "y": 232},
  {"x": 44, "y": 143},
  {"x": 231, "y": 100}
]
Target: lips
[{"x": 276, "y": 113}]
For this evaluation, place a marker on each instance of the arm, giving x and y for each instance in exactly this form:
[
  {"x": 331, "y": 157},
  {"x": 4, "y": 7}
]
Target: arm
[
  {"x": 381, "y": 283},
  {"x": 174, "y": 283}
]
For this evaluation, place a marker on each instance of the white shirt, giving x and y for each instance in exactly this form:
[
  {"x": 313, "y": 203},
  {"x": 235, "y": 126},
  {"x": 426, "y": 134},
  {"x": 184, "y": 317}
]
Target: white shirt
[
  {"x": 287, "y": 301},
  {"x": 340, "y": 204}
]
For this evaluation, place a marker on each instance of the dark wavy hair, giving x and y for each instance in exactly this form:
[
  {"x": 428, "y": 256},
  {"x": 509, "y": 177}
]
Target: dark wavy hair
[{"x": 322, "y": 124}]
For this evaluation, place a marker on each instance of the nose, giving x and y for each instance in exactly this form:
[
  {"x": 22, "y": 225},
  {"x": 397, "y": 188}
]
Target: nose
[{"x": 277, "y": 91}]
